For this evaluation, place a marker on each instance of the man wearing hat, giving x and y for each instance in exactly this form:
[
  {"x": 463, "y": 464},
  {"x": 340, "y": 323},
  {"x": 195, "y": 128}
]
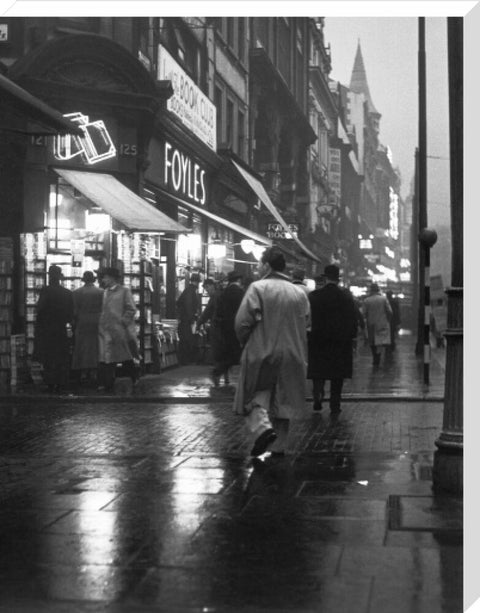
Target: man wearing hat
[
  {"x": 188, "y": 309},
  {"x": 117, "y": 334},
  {"x": 52, "y": 346},
  {"x": 87, "y": 302},
  {"x": 330, "y": 341},
  {"x": 377, "y": 313},
  {"x": 298, "y": 278},
  {"x": 227, "y": 307}
]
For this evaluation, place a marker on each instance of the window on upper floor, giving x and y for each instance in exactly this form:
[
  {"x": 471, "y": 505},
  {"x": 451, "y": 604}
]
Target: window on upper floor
[
  {"x": 229, "y": 123},
  {"x": 241, "y": 134},
  {"x": 219, "y": 105}
]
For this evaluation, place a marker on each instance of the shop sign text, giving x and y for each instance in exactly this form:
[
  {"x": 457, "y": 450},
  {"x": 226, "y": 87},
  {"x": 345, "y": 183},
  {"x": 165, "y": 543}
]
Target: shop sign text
[
  {"x": 188, "y": 102},
  {"x": 183, "y": 175},
  {"x": 276, "y": 230}
]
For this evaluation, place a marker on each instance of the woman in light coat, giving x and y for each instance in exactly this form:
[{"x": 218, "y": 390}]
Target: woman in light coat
[
  {"x": 377, "y": 313},
  {"x": 117, "y": 335},
  {"x": 271, "y": 325}
]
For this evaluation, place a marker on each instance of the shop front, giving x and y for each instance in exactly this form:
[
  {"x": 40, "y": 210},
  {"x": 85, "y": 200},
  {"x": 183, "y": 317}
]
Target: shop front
[{"x": 78, "y": 193}]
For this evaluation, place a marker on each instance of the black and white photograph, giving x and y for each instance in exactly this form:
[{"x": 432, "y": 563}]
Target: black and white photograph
[{"x": 232, "y": 306}]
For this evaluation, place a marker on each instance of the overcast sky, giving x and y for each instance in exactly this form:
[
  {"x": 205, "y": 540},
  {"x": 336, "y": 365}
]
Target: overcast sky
[{"x": 390, "y": 53}]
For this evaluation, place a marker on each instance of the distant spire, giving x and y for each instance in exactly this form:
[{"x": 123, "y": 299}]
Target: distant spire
[{"x": 358, "y": 82}]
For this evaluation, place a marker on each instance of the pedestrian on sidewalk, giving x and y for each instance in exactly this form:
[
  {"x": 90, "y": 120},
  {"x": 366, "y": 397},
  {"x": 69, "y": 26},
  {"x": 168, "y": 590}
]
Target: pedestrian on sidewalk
[
  {"x": 377, "y": 313},
  {"x": 87, "y": 308},
  {"x": 117, "y": 334},
  {"x": 330, "y": 340},
  {"x": 54, "y": 317},
  {"x": 271, "y": 325},
  {"x": 188, "y": 309},
  {"x": 298, "y": 278},
  {"x": 227, "y": 308},
  {"x": 209, "y": 314},
  {"x": 395, "y": 319}
]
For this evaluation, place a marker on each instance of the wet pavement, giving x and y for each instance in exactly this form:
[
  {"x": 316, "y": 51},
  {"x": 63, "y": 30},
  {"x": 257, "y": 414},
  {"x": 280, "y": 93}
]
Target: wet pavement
[
  {"x": 399, "y": 376},
  {"x": 130, "y": 505}
]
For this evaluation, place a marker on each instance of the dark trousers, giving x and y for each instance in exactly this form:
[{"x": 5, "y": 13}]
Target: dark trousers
[
  {"x": 336, "y": 386},
  {"x": 375, "y": 354},
  {"x": 106, "y": 373}
]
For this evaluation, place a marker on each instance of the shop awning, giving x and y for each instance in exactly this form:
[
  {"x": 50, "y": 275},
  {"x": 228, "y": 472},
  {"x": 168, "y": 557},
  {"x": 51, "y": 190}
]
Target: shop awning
[
  {"x": 121, "y": 203},
  {"x": 263, "y": 240},
  {"x": 259, "y": 190},
  {"x": 34, "y": 109}
]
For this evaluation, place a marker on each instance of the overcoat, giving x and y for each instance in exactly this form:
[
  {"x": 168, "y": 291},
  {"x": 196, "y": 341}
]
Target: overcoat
[
  {"x": 87, "y": 303},
  {"x": 52, "y": 345},
  {"x": 227, "y": 309},
  {"x": 117, "y": 336},
  {"x": 334, "y": 326},
  {"x": 271, "y": 325},
  {"x": 377, "y": 313}
]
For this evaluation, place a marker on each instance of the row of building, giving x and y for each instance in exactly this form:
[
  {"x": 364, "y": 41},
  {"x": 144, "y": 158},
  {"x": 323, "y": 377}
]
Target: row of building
[{"x": 165, "y": 146}]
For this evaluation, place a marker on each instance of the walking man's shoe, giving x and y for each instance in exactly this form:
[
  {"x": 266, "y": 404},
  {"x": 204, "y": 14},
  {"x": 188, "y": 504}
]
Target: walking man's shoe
[{"x": 263, "y": 441}]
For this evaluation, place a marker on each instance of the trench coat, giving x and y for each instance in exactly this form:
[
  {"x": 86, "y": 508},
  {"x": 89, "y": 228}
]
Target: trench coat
[
  {"x": 87, "y": 303},
  {"x": 117, "y": 335},
  {"x": 377, "y": 313},
  {"x": 334, "y": 326},
  {"x": 271, "y": 325},
  {"x": 52, "y": 345}
]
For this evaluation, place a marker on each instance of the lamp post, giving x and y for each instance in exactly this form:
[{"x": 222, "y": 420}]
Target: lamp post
[
  {"x": 427, "y": 238},
  {"x": 448, "y": 460}
]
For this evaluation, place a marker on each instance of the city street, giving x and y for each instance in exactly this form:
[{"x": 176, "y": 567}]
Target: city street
[{"x": 134, "y": 505}]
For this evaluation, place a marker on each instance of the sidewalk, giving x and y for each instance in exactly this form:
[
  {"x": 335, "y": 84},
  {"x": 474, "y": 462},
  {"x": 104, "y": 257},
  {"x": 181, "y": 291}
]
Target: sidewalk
[
  {"x": 126, "y": 508},
  {"x": 400, "y": 376}
]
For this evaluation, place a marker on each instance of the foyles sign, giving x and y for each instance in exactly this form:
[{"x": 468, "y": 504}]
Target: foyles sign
[
  {"x": 188, "y": 102},
  {"x": 183, "y": 176}
]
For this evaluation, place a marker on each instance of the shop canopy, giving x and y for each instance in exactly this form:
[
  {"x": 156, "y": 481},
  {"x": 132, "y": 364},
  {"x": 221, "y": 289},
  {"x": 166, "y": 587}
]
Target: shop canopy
[
  {"x": 259, "y": 190},
  {"x": 34, "y": 109},
  {"x": 121, "y": 203},
  {"x": 263, "y": 240}
]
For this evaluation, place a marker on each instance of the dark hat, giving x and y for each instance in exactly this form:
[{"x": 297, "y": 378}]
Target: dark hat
[
  {"x": 110, "y": 272},
  {"x": 234, "y": 275},
  {"x": 374, "y": 288},
  {"x": 88, "y": 277},
  {"x": 194, "y": 277},
  {"x": 55, "y": 272},
  {"x": 332, "y": 272},
  {"x": 298, "y": 273}
]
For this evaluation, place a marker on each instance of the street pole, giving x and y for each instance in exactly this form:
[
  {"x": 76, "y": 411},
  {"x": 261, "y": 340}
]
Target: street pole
[
  {"x": 427, "y": 239},
  {"x": 448, "y": 459},
  {"x": 421, "y": 193}
]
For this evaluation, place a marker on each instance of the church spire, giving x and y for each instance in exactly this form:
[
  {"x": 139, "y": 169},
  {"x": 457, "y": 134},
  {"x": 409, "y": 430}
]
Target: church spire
[{"x": 358, "y": 82}]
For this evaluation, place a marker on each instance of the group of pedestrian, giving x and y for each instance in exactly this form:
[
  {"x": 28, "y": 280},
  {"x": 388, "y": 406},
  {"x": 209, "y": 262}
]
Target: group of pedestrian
[
  {"x": 289, "y": 335},
  {"x": 99, "y": 323}
]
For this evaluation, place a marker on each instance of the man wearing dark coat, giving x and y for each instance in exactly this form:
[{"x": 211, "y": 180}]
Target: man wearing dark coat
[
  {"x": 52, "y": 344},
  {"x": 227, "y": 307},
  {"x": 330, "y": 341},
  {"x": 188, "y": 308}
]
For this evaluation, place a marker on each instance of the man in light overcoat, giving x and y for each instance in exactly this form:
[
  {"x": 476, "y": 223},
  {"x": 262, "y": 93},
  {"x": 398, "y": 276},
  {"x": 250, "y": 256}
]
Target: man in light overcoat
[{"x": 271, "y": 325}]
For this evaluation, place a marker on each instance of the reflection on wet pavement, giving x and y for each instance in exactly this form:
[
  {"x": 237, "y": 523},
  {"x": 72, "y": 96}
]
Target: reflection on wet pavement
[{"x": 136, "y": 507}]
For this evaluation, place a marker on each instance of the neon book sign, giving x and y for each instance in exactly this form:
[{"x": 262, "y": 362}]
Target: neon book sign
[{"x": 94, "y": 146}]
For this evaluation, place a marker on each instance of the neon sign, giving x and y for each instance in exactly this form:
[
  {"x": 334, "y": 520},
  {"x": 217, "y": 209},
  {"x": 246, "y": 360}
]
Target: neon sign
[{"x": 94, "y": 146}]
